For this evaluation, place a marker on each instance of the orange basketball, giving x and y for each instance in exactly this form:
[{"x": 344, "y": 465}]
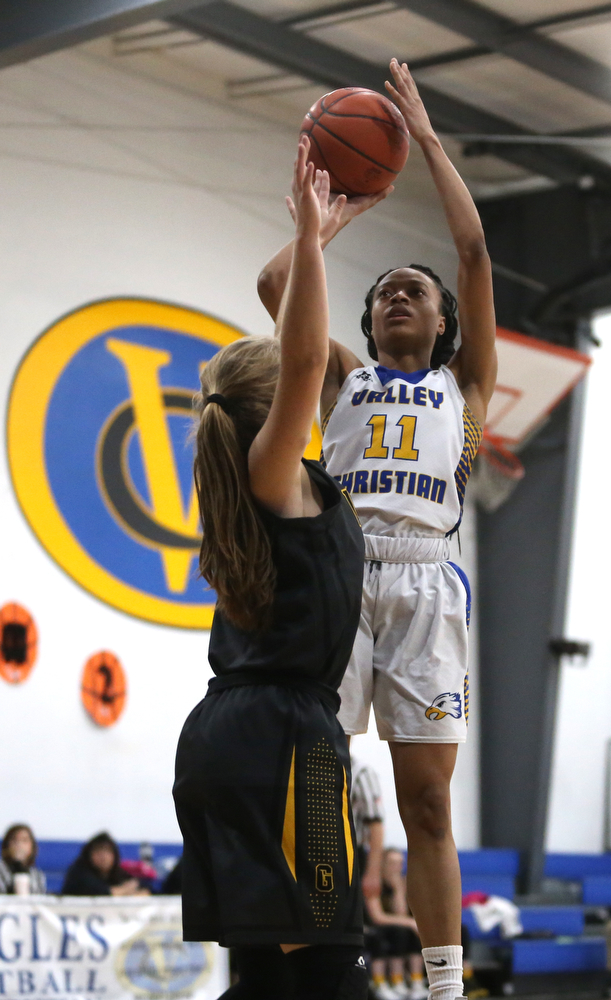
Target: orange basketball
[
  {"x": 360, "y": 137},
  {"x": 103, "y": 688},
  {"x": 18, "y": 643}
]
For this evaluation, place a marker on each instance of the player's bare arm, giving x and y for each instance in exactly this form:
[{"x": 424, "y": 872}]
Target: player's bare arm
[
  {"x": 336, "y": 212},
  {"x": 474, "y": 363},
  {"x": 274, "y": 459}
]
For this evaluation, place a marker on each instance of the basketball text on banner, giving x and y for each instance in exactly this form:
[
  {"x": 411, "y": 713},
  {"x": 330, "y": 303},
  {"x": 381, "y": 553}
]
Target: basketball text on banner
[{"x": 90, "y": 948}]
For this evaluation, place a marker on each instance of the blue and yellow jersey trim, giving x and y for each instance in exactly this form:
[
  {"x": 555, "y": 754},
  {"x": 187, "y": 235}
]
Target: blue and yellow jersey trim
[{"x": 472, "y": 439}]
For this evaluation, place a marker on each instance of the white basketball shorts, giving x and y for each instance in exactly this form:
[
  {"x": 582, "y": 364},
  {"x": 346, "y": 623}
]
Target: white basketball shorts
[{"x": 410, "y": 653}]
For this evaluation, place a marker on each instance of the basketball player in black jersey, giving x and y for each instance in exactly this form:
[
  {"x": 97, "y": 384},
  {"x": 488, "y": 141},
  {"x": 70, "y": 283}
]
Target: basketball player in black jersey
[{"x": 262, "y": 785}]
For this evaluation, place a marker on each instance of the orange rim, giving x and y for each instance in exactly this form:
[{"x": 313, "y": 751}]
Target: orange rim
[
  {"x": 103, "y": 688},
  {"x": 12, "y": 670},
  {"x": 500, "y": 457}
]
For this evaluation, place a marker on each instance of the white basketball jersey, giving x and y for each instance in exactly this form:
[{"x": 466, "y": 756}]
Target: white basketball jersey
[{"x": 402, "y": 445}]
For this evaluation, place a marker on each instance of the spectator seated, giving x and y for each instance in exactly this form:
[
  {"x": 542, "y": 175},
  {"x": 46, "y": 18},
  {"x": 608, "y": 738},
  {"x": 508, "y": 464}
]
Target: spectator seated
[{"x": 56, "y": 856}]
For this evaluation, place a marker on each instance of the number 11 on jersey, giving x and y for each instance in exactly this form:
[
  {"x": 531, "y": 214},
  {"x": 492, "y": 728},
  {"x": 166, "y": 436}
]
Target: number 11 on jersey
[{"x": 405, "y": 449}]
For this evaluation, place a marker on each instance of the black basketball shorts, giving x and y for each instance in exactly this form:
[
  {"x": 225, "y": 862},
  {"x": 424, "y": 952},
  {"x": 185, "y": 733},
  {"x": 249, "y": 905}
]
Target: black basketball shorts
[{"x": 262, "y": 796}]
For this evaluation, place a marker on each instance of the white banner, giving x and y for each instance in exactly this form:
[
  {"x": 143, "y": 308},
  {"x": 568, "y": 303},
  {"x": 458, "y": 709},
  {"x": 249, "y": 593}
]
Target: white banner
[{"x": 103, "y": 948}]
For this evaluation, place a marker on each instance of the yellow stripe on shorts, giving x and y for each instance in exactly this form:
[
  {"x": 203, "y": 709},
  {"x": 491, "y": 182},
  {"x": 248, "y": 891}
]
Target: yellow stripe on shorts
[
  {"x": 288, "y": 829},
  {"x": 347, "y": 830}
]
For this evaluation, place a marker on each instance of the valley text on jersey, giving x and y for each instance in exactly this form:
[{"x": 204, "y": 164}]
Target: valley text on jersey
[{"x": 410, "y": 437}]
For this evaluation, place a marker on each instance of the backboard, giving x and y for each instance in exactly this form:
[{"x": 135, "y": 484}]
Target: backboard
[{"x": 533, "y": 377}]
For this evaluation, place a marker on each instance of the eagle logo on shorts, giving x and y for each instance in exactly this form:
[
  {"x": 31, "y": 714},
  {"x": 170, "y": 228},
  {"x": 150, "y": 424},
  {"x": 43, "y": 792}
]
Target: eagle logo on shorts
[{"x": 445, "y": 704}]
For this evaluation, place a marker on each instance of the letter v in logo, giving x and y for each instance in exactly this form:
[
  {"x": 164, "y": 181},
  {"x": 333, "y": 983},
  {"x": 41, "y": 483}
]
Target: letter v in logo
[{"x": 149, "y": 404}]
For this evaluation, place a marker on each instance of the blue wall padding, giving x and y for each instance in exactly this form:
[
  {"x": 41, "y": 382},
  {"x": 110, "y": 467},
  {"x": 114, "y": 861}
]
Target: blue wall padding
[
  {"x": 561, "y": 920},
  {"x": 490, "y": 861},
  {"x": 57, "y": 854},
  {"x": 575, "y": 867},
  {"x": 597, "y": 890},
  {"x": 557, "y": 956},
  {"x": 61, "y": 853},
  {"x": 492, "y": 885}
]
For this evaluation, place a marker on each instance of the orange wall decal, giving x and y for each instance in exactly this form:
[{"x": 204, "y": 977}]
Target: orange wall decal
[
  {"x": 18, "y": 643},
  {"x": 104, "y": 688}
]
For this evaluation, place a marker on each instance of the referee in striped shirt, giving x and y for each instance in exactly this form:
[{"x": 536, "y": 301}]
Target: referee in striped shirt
[{"x": 366, "y": 801}]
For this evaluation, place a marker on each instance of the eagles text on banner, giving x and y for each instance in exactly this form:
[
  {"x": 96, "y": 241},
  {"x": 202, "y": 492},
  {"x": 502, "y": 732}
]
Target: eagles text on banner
[{"x": 87, "y": 948}]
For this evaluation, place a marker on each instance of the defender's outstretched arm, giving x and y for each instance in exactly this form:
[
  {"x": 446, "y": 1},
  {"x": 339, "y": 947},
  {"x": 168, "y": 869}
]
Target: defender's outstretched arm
[{"x": 274, "y": 459}]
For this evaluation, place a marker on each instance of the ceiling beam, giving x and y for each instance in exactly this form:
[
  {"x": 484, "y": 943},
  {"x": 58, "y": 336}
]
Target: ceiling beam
[
  {"x": 500, "y": 34},
  {"x": 31, "y": 28},
  {"x": 295, "y": 52},
  {"x": 372, "y": 8},
  {"x": 571, "y": 16}
]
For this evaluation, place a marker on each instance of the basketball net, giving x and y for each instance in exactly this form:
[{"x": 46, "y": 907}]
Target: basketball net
[{"x": 496, "y": 473}]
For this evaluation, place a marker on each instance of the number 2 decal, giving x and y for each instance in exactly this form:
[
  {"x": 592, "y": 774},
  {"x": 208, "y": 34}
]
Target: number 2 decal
[{"x": 405, "y": 448}]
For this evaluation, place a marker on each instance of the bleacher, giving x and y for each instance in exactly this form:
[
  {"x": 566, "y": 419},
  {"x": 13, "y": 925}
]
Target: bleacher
[
  {"x": 493, "y": 871},
  {"x": 560, "y": 952}
]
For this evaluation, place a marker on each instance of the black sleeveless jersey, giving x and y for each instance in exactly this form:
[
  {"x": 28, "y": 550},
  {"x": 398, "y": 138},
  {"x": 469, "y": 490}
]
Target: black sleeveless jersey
[{"x": 319, "y": 564}]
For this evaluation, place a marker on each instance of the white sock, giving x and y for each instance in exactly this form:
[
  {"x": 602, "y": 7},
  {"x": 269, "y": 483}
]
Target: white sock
[{"x": 444, "y": 971}]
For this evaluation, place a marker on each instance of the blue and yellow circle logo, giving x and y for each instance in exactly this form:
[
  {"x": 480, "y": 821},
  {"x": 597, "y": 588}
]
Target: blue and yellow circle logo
[
  {"x": 98, "y": 429},
  {"x": 158, "y": 963}
]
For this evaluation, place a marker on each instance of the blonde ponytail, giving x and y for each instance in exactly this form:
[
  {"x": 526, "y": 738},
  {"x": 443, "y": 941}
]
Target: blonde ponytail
[{"x": 235, "y": 556}]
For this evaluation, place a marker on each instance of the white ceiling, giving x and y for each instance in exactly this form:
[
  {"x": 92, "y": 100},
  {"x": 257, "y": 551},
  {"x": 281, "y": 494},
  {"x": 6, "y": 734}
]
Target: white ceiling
[
  {"x": 378, "y": 37},
  {"x": 103, "y": 89}
]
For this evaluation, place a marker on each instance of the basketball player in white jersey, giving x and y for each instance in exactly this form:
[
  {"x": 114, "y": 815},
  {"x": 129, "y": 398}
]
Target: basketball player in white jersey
[{"x": 401, "y": 434}]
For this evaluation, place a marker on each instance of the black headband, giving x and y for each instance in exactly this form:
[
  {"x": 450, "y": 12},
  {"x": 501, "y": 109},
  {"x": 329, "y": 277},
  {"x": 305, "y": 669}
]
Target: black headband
[{"x": 223, "y": 402}]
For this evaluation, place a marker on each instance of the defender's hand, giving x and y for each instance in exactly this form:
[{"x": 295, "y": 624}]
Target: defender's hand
[{"x": 304, "y": 206}]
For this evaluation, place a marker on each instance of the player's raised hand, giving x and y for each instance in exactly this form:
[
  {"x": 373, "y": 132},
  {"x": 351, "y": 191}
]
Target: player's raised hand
[
  {"x": 330, "y": 210},
  {"x": 336, "y": 210},
  {"x": 331, "y": 206},
  {"x": 304, "y": 206},
  {"x": 405, "y": 94}
]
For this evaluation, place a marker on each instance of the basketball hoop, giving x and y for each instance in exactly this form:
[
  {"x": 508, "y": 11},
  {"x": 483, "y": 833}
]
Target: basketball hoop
[{"x": 496, "y": 473}]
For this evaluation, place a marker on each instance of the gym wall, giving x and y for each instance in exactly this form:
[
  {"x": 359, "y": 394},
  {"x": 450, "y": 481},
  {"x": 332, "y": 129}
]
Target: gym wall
[{"x": 116, "y": 185}]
